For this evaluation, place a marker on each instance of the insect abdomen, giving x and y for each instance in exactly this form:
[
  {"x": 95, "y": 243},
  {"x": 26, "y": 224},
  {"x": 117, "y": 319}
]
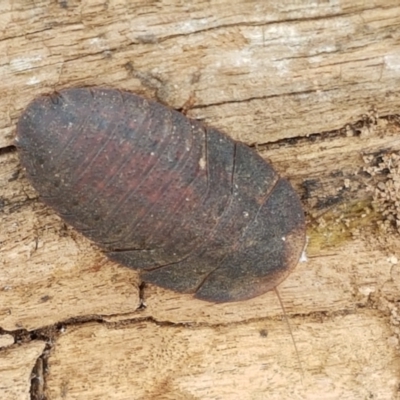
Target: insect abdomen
[{"x": 196, "y": 211}]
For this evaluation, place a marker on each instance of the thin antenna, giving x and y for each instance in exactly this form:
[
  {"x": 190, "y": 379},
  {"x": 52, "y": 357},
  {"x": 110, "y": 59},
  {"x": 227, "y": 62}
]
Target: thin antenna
[{"x": 290, "y": 330}]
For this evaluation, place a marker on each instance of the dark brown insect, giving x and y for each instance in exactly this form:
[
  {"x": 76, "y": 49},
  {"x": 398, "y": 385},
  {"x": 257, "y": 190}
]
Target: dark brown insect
[{"x": 194, "y": 210}]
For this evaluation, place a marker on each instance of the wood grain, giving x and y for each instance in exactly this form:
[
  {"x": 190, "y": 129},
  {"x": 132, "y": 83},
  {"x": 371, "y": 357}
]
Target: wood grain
[
  {"x": 16, "y": 367},
  {"x": 254, "y": 360},
  {"x": 313, "y": 87},
  {"x": 278, "y": 69}
]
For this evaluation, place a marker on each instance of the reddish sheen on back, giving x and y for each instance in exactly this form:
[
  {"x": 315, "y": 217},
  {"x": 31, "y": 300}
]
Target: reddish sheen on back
[{"x": 194, "y": 210}]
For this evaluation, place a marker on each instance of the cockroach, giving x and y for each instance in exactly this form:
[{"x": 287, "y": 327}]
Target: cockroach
[{"x": 190, "y": 208}]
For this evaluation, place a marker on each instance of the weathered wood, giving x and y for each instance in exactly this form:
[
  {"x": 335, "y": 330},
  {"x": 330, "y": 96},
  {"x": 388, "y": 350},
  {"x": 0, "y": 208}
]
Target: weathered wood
[
  {"x": 6, "y": 340},
  {"x": 310, "y": 85},
  {"x": 282, "y": 71},
  {"x": 49, "y": 272},
  {"x": 16, "y": 364},
  {"x": 254, "y": 360}
]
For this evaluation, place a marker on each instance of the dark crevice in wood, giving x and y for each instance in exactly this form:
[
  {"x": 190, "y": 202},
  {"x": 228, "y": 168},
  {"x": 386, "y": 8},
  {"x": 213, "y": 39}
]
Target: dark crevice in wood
[
  {"x": 352, "y": 129},
  {"x": 7, "y": 150},
  {"x": 257, "y": 98},
  {"x": 38, "y": 375},
  {"x": 142, "y": 296}
]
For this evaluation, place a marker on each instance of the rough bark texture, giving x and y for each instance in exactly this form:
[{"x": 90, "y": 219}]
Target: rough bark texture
[{"x": 315, "y": 88}]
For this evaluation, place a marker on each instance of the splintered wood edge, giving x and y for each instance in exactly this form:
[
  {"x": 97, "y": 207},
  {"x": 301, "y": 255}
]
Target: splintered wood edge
[
  {"x": 16, "y": 367},
  {"x": 190, "y": 362}
]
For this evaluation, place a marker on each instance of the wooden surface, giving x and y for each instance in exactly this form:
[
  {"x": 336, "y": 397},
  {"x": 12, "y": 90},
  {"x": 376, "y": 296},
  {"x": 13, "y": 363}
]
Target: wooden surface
[
  {"x": 16, "y": 368},
  {"x": 314, "y": 88}
]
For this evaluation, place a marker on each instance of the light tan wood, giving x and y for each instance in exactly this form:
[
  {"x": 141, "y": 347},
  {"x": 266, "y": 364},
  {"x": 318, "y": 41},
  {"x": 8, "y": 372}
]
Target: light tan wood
[
  {"x": 48, "y": 271},
  {"x": 254, "y": 360},
  {"x": 6, "y": 340},
  {"x": 277, "y": 69},
  {"x": 323, "y": 74},
  {"x": 16, "y": 364}
]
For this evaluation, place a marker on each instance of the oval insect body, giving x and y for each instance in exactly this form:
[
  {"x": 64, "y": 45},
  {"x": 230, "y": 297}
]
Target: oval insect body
[{"x": 193, "y": 210}]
